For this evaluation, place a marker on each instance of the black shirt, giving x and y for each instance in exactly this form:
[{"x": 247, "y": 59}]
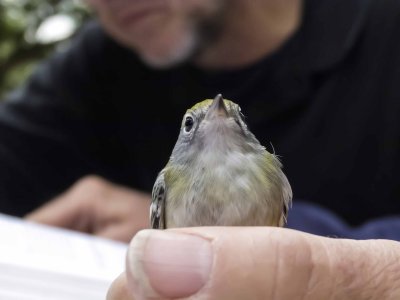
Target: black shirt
[{"x": 328, "y": 101}]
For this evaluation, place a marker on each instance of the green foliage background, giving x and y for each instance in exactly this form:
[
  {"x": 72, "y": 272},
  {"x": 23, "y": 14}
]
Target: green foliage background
[{"x": 20, "y": 51}]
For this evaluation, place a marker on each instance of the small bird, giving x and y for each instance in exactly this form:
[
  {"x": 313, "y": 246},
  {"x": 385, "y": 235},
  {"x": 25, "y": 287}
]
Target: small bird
[{"x": 219, "y": 174}]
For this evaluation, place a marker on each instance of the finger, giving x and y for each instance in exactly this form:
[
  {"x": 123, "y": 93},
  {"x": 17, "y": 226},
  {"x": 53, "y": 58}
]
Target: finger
[
  {"x": 118, "y": 290},
  {"x": 64, "y": 211},
  {"x": 259, "y": 263},
  {"x": 220, "y": 263},
  {"x": 74, "y": 208}
]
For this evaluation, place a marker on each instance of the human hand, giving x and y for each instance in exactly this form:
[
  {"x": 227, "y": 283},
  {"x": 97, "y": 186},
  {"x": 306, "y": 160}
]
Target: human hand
[
  {"x": 256, "y": 263},
  {"x": 97, "y": 206}
]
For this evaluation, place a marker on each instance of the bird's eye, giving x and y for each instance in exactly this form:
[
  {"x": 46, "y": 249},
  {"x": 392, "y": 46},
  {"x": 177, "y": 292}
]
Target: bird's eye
[{"x": 189, "y": 123}]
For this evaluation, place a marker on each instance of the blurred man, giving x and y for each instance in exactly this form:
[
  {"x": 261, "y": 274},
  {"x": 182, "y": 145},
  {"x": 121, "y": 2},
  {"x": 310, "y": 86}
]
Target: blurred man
[{"x": 323, "y": 93}]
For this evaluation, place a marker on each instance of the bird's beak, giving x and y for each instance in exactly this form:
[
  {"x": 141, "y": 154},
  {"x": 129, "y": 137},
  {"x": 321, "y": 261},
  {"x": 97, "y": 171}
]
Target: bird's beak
[{"x": 217, "y": 108}]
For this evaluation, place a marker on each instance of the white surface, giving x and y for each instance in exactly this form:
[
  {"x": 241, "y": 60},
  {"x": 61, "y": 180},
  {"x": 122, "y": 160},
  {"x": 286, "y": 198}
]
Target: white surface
[{"x": 42, "y": 262}]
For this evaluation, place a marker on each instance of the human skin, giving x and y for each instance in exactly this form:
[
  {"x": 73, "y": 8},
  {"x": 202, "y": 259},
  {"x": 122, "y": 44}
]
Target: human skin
[
  {"x": 256, "y": 263},
  {"x": 99, "y": 207},
  {"x": 215, "y": 33}
]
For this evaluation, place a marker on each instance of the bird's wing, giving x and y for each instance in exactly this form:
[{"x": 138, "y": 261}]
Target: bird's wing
[
  {"x": 157, "y": 208},
  {"x": 283, "y": 192}
]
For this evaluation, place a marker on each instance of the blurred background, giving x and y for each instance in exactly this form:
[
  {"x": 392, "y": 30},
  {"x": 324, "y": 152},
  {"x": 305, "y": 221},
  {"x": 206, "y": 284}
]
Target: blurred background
[{"x": 30, "y": 30}]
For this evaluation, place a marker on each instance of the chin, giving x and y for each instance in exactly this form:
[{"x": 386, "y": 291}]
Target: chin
[{"x": 171, "y": 53}]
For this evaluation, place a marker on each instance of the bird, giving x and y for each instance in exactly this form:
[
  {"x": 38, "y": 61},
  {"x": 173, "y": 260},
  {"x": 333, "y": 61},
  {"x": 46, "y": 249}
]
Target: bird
[{"x": 219, "y": 174}]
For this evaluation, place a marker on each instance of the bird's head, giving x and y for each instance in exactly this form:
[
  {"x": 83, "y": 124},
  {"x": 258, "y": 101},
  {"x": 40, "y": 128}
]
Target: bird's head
[{"x": 213, "y": 126}]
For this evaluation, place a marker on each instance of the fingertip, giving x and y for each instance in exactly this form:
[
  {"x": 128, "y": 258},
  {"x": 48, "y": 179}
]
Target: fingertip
[
  {"x": 166, "y": 264},
  {"x": 119, "y": 289},
  {"x": 218, "y": 263}
]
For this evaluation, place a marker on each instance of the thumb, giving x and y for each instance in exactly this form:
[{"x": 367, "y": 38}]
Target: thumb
[{"x": 219, "y": 263}]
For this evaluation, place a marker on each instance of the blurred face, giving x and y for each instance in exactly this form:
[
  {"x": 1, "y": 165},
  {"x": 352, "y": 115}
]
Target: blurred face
[{"x": 162, "y": 32}]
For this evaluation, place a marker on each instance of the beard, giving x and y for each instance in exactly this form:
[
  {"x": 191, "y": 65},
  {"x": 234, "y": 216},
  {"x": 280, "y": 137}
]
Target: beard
[
  {"x": 181, "y": 50},
  {"x": 188, "y": 43}
]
